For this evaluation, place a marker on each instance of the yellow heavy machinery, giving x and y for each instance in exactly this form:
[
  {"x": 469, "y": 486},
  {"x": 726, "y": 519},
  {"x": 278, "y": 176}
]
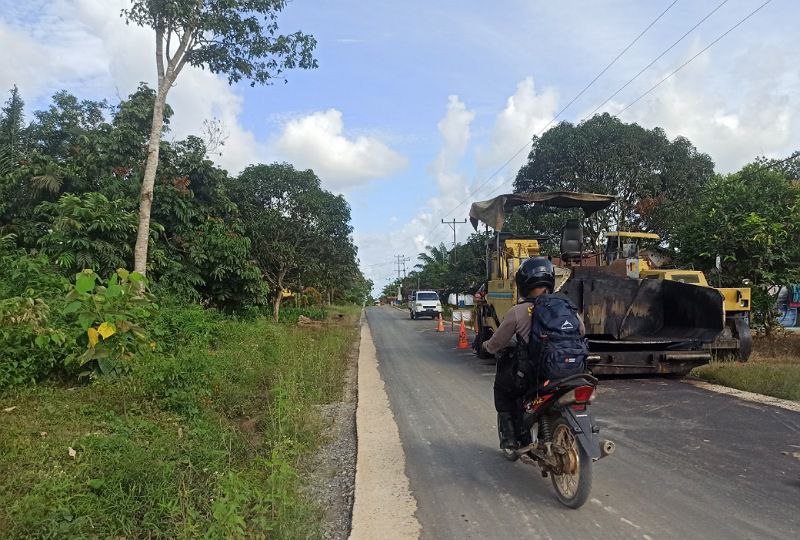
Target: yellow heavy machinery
[
  {"x": 736, "y": 340},
  {"x": 633, "y": 326}
]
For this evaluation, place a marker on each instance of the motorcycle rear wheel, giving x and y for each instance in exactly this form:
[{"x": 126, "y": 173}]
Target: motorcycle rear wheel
[{"x": 573, "y": 487}]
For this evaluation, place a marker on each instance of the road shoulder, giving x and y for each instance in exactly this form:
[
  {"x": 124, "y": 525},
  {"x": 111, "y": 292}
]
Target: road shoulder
[
  {"x": 384, "y": 506},
  {"x": 746, "y": 396}
]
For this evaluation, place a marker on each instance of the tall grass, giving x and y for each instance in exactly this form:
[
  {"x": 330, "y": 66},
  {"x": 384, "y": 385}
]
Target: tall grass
[
  {"x": 773, "y": 368},
  {"x": 205, "y": 442}
]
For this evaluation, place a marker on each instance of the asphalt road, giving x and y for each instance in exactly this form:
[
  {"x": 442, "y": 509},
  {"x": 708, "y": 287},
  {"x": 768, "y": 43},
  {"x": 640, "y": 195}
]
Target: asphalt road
[{"x": 689, "y": 463}]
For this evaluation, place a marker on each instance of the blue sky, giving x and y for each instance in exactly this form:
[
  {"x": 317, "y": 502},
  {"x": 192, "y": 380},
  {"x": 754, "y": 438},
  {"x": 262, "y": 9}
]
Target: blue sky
[{"x": 415, "y": 103}]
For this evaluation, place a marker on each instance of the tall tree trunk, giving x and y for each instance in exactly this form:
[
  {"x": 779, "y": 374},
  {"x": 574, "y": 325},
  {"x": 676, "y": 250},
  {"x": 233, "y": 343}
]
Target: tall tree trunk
[
  {"x": 276, "y": 305},
  {"x": 148, "y": 182}
]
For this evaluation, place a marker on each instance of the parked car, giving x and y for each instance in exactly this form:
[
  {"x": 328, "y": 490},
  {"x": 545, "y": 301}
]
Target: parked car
[{"x": 424, "y": 304}]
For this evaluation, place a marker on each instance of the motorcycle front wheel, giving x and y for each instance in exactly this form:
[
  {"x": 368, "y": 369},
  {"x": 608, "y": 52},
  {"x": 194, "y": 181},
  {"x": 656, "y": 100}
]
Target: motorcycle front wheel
[{"x": 574, "y": 485}]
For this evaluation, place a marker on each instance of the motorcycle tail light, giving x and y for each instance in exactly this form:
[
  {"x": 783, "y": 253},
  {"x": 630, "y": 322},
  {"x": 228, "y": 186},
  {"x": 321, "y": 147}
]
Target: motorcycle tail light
[{"x": 583, "y": 394}]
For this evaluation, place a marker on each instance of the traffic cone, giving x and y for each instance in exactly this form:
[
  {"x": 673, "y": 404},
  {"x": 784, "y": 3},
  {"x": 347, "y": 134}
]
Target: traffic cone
[
  {"x": 462, "y": 337},
  {"x": 440, "y": 326}
]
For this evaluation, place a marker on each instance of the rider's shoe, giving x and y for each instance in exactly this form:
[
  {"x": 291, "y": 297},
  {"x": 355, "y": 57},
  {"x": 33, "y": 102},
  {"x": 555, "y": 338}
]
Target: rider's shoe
[
  {"x": 508, "y": 440},
  {"x": 523, "y": 435}
]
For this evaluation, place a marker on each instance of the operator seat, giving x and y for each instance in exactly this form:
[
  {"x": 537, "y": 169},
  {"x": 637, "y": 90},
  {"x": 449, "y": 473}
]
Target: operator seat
[{"x": 571, "y": 241}]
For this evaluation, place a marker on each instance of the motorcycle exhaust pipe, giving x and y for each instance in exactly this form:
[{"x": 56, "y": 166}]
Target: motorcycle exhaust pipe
[{"x": 607, "y": 448}]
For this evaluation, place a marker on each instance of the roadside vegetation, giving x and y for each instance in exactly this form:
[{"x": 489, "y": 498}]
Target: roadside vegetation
[
  {"x": 152, "y": 381},
  {"x": 772, "y": 370},
  {"x": 206, "y": 441}
]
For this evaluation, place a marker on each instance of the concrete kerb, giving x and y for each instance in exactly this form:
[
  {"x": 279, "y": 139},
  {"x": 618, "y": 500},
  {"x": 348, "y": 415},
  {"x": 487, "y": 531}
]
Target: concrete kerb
[{"x": 384, "y": 506}]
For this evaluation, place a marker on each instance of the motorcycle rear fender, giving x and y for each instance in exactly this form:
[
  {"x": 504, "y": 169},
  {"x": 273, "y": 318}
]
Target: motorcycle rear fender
[{"x": 581, "y": 424}]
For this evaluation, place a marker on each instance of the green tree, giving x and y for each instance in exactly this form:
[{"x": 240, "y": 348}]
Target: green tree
[
  {"x": 12, "y": 120},
  {"x": 461, "y": 269},
  {"x": 605, "y": 155},
  {"x": 751, "y": 220},
  {"x": 237, "y": 38},
  {"x": 87, "y": 231},
  {"x": 300, "y": 232}
]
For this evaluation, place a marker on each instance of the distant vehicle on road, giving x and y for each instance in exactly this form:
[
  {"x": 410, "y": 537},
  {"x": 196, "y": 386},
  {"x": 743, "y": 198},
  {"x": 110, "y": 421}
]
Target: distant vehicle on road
[{"x": 424, "y": 304}]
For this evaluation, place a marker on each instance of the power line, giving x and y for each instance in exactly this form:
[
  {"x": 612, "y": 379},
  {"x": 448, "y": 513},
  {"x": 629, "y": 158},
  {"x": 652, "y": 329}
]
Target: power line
[
  {"x": 387, "y": 263},
  {"x": 623, "y": 51},
  {"x": 657, "y": 58},
  {"x": 452, "y": 225},
  {"x": 563, "y": 109},
  {"x": 676, "y": 70}
]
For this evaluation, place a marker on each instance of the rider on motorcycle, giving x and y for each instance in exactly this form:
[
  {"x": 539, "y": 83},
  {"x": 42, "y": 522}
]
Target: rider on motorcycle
[{"x": 535, "y": 277}]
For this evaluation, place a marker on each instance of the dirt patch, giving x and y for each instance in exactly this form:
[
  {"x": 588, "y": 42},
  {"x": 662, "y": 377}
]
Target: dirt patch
[{"x": 332, "y": 468}]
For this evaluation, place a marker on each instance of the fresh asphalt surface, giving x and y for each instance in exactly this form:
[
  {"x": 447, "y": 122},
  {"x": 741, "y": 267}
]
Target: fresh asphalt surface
[{"x": 689, "y": 463}]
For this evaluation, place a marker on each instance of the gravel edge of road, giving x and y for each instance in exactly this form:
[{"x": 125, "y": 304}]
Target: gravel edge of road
[
  {"x": 752, "y": 397},
  {"x": 332, "y": 470},
  {"x": 384, "y": 506}
]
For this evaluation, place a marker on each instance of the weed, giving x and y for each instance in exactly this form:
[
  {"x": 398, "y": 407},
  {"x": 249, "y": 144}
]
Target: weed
[
  {"x": 773, "y": 368},
  {"x": 206, "y": 441}
]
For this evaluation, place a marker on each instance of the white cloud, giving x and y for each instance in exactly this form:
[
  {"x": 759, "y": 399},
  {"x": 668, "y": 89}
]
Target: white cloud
[
  {"x": 455, "y": 131},
  {"x": 318, "y": 141},
  {"x": 761, "y": 117},
  {"x": 527, "y": 112},
  {"x": 86, "y": 47},
  {"x": 425, "y": 228}
]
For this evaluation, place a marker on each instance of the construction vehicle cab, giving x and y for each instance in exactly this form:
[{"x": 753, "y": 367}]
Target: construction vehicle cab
[{"x": 634, "y": 326}]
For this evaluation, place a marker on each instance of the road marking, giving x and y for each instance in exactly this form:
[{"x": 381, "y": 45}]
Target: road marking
[
  {"x": 384, "y": 507},
  {"x": 747, "y": 396}
]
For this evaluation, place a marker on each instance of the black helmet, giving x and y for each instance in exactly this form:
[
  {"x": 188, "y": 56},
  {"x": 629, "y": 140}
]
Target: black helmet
[{"x": 535, "y": 272}]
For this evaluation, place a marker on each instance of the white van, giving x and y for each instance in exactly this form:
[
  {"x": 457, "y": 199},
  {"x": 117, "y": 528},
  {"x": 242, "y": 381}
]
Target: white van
[{"x": 424, "y": 304}]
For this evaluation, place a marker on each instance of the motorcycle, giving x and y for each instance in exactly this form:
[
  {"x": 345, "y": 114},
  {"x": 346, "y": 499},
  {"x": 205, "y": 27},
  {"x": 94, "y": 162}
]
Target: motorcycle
[{"x": 557, "y": 433}]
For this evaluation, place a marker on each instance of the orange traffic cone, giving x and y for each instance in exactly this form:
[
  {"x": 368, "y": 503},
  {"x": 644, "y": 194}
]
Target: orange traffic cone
[
  {"x": 462, "y": 337},
  {"x": 440, "y": 326}
]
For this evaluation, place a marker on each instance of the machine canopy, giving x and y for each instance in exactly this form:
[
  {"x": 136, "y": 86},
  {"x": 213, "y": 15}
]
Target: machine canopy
[{"x": 493, "y": 212}]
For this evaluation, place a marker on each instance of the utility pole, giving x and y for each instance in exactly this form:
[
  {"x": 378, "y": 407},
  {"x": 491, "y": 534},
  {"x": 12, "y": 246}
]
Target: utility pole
[
  {"x": 399, "y": 283},
  {"x": 398, "y": 257},
  {"x": 401, "y": 267},
  {"x": 452, "y": 225}
]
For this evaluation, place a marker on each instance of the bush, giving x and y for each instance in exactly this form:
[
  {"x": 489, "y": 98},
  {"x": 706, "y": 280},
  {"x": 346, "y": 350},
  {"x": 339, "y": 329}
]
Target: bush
[
  {"x": 291, "y": 315},
  {"x": 111, "y": 316},
  {"x": 176, "y": 324},
  {"x": 28, "y": 347},
  {"x": 95, "y": 326}
]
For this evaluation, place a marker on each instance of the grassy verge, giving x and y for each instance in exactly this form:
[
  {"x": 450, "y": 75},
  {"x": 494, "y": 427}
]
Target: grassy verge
[
  {"x": 773, "y": 369},
  {"x": 206, "y": 442}
]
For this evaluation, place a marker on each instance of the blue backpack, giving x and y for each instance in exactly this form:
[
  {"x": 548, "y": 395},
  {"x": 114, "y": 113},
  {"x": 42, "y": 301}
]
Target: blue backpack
[{"x": 556, "y": 348}]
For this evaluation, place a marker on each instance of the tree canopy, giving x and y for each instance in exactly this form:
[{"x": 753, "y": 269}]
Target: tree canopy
[
  {"x": 301, "y": 232},
  {"x": 71, "y": 196},
  {"x": 751, "y": 220},
  {"x": 607, "y": 156},
  {"x": 236, "y": 38}
]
